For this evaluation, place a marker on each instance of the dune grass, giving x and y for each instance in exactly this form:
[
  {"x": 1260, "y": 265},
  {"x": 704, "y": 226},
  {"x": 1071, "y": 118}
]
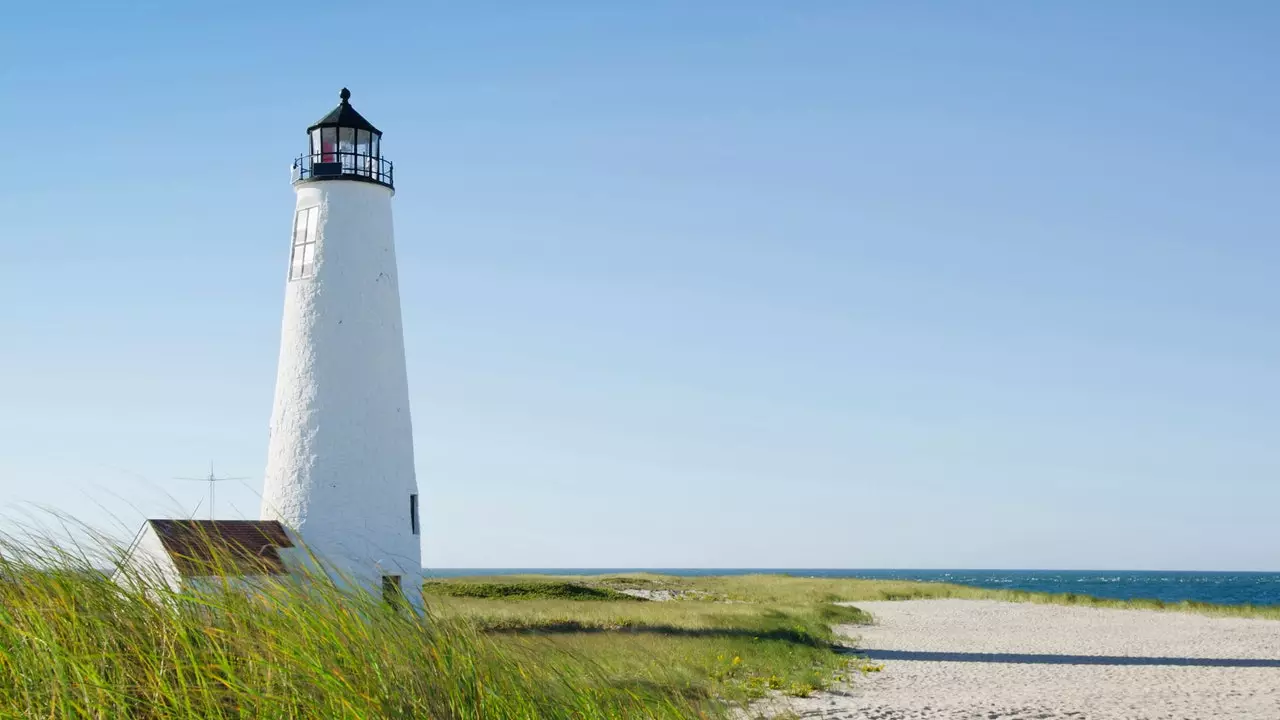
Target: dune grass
[
  {"x": 703, "y": 644},
  {"x": 546, "y": 589},
  {"x": 74, "y": 644}
]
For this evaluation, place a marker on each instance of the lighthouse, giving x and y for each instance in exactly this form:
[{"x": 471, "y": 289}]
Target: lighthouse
[{"x": 340, "y": 468}]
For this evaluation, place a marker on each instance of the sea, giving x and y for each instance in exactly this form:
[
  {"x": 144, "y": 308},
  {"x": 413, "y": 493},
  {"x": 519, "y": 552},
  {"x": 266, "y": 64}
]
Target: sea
[{"x": 1222, "y": 588}]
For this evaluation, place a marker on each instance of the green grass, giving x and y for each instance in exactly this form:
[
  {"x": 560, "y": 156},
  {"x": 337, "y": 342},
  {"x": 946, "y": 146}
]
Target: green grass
[
  {"x": 526, "y": 590},
  {"x": 75, "y": 645},
  {"x": 704, "y": 645}
]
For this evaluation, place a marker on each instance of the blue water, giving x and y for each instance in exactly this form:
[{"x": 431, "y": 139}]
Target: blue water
[{"x": 1223, "y": 588}]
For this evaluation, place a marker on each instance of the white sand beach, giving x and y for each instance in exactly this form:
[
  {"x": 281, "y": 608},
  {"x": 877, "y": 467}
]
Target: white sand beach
[{"x": 953, "y": 659}]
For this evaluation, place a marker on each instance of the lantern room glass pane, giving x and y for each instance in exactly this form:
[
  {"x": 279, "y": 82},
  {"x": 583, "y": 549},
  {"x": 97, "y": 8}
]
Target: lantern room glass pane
[
  {"x": 315, "y": 142},
  {"x": 377, "y": 141},
  {"x": 328, "y": 144},
  {"x": 347, "y": 148},
  {"x": 363, "y": 163}
]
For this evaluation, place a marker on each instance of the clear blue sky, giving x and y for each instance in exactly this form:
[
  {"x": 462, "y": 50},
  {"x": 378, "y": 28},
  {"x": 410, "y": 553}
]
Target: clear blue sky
[{"x": 828, "y": 284}]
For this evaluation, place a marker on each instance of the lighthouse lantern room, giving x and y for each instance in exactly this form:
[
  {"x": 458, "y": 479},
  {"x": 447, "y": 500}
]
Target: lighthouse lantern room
[{"x": 344, "y": 144}]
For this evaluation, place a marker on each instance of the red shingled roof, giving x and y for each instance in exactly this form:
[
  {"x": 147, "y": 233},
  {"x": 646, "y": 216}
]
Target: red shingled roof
[{"x": 223, "y": 547}]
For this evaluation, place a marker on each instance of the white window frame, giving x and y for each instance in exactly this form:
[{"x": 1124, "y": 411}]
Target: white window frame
[{"x": 302, "y": 253}]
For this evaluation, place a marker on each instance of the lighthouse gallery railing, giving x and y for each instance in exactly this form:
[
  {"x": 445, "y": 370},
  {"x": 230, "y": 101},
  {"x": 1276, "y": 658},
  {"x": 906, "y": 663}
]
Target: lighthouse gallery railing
[{"x": 341, "y": 163}]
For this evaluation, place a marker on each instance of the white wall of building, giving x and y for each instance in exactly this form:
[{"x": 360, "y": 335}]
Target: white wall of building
[
  {"x": 340, "y": 465},
  {"x": 146, "y": 561},
  {"x": 147, "y": 566}
]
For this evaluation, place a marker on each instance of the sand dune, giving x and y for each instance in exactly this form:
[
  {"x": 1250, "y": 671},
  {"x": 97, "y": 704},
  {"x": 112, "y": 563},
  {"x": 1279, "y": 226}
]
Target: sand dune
[{"x": 953, "y": 659}]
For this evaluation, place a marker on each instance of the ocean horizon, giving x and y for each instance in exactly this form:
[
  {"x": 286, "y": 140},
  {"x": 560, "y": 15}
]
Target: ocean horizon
[{"x": 1221, "y": 587}]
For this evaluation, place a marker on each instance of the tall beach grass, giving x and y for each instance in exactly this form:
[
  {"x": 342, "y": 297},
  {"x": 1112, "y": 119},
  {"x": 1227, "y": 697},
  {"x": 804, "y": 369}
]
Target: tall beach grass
[{"x": 75, "y": 644}]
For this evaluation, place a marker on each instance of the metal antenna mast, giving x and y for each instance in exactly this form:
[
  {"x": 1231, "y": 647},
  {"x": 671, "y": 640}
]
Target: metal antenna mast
[{"x": 212, "y": 480}]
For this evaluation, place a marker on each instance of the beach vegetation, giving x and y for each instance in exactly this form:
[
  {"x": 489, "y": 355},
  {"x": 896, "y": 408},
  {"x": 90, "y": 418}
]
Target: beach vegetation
[
  {"x": 549, "y": 590},
  {"x": 76, "y": 644}
]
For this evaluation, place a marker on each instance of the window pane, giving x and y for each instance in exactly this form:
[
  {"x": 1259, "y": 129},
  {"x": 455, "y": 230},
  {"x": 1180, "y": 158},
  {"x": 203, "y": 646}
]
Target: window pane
[
  {"x": 347, "y": 148},
  {"x": 377, "y": 141},
  {"x": 363, "y": 151},
  {"x": 308, "y": 254},
  {"x": 299, "y": 226},
  {"x": 313, "y": 219},
  {"x": 328, "y": 144},
  {"x": 315, "y": 142}
]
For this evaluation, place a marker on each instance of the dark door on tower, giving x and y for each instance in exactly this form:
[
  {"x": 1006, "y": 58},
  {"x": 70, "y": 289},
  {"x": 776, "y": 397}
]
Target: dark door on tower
[{"x": 391, "y": 591}]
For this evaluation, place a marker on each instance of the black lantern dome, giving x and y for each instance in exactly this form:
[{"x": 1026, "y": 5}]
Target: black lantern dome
[{"x": 343, "y": 146}]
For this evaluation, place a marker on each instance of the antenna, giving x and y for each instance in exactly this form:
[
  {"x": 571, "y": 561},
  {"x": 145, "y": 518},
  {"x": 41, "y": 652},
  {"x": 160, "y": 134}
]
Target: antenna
[{"x": 212, "y": 480}]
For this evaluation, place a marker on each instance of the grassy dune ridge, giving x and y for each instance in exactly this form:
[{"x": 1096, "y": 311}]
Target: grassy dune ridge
[
  {"x": 73, "y": 644},
  {"x": 796, "y": 591},
  {"x": 703, "y": 643}
]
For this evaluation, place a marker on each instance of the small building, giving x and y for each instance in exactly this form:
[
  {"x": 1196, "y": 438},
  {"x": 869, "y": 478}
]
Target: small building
[{"x": 209, "y": 554}]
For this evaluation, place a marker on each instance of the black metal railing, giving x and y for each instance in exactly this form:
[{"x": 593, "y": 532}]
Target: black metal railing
[{"x": 345, "y": 165}]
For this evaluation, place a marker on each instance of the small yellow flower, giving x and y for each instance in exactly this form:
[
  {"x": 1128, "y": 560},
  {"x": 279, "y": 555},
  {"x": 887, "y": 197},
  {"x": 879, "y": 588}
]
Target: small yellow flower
[{"x": 737, "y": 660}]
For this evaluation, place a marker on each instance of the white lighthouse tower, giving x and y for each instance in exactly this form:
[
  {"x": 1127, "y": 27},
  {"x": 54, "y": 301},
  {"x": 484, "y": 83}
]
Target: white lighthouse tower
[{"x": 340, "y": 465}]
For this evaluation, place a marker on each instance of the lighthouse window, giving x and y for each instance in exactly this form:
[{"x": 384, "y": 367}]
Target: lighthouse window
[
  {"x": 413, "y": 513},
  {"x": 302, "y": 257},
  {"x": 328, "y": 144},
  {"x": 364, "y": 162},
  {"x": 347, "y": 149}
]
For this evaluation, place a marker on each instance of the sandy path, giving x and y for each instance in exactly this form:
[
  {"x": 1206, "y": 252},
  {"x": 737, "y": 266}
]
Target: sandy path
[{"x": 953, "y": 659}]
